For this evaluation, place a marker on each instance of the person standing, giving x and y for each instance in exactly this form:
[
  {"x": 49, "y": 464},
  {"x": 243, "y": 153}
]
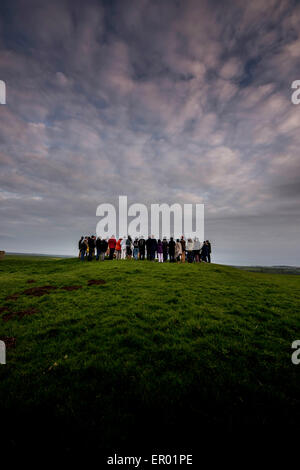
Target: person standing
[
  {"x": 136, "y": 249},
  {"x": 91, "y": 243},
  {"x": 196, "y": 249},
  {"x": 190, "y": 248},
  {"x": 183, "y": 248},
  {"x": 104, "y": 246},
  {"x": 153, "y": 248},
  {"x": 204, "y": 252},
  {"x": 160, "y": 251},
  {"x": 118, "y": 249},
  {"x": 208, "y": 250},
  {"x": 86, "y": 242},
  {"x": 172, "y": 250},
  {"x": 123, "y": 247},
  {"x": 178, "y": 250},
  {"x": 129, "y": 247},
  {"x": 142, "y": 246},
  {"x": 98, "y": 247},
  {"x": 112, "y": 246},
  {"x": 165, "y": 245},
  {"x": 79, "y": 246},
  {"x": 148, "y": 246},
  {"x": 83, "y": 248}
]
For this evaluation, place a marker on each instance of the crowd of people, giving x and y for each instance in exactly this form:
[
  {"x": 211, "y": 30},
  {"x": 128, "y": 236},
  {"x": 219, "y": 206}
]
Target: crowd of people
[{"x": 179, "y": 250}]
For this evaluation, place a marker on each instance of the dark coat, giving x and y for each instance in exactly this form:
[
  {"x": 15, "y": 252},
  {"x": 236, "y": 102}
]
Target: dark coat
[
  {"x": 104, "y": 246},
  {"x": 204, "y": 250},
  {"x": 172, "y": 247},
  {"x": 153, "y": 245},
  {"x": 165, "y": 245},
  {"x": 148, "y": 243},
  {"x": 91, "y": 243},
  {"x": 142, "y": 244}
]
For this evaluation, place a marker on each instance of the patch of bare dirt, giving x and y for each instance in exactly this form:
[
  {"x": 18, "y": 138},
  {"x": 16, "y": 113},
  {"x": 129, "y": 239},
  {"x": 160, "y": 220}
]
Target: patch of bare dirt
[
  {"x": 20, "y": 314},
  {"x": 39, "y": 291},
  {"x": 30, "y": 281},
  {"x": 96, "y": 282},
  {"x": 10, "y": 341},
  {"x": 12, "y": 297}
]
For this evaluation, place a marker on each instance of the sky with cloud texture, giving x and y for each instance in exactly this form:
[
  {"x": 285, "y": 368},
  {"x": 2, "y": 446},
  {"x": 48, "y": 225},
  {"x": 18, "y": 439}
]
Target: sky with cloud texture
[{"x": 183, "y": 101}]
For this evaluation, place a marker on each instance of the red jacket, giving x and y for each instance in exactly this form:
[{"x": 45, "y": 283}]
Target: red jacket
[{"x": 112, "y": 243}]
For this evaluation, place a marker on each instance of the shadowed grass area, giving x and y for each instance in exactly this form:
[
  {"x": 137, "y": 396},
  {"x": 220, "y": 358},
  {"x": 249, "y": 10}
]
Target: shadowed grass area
[{"x": 158, "y": 346}]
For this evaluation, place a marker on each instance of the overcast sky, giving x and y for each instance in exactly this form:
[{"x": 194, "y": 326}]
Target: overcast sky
[{"x": 163, "y": 101}]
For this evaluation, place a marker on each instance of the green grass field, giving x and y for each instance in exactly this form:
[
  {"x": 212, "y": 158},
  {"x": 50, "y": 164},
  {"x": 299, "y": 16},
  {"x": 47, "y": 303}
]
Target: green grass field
[{"x": 158, "y": 346}]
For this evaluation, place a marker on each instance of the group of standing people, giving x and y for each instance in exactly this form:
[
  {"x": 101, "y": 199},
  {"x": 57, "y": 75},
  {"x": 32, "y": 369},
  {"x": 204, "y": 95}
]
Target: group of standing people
[{"x": 178, "y": 250}]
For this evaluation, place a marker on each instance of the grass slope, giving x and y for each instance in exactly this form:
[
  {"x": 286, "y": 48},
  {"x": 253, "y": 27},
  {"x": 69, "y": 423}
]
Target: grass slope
[{"x": 159, "y": 346}]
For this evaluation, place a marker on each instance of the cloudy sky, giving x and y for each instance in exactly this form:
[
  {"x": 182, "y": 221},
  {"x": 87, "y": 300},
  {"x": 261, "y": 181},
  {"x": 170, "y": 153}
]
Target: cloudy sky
[{"x": 163, "y": 101}]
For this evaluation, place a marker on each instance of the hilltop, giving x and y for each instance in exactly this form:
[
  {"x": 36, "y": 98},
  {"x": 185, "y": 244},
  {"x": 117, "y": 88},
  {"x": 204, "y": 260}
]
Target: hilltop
[{"x": 105, "y": 352}]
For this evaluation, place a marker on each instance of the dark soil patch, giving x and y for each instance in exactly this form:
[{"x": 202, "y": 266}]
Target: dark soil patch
[
  {"x": 71, "y": 287},
  {"x": 10, "y": 341},
  {"x": 96, "y": 282},
  {"x": 20, "y": 314},
  {"x": 12, "y": 297},
  {"x": 39, "y": 291},
  {"x": 30, "y": 281}
]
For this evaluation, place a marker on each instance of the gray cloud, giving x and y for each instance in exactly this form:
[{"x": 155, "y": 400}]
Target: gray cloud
[{"x": 162, "y": 101}]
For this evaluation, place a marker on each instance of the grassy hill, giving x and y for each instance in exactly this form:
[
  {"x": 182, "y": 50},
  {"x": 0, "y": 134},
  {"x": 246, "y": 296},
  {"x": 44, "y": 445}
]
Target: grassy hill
[{"x": 155, "y": 346}]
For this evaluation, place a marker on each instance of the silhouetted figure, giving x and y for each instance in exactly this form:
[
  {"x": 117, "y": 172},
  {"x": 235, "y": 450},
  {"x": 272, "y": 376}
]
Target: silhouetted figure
[
  {"x": 153, "y": 248},
  {"x": 165, "y": 245},
  {"x": 172, "y": 250},
  {"x": 142, "y": 247},
  {"x": 98, "y": 246},
  {"x": 91, "y": 243},
  {"x": 204, "y": 252},
  {"x": 148, "y": 246},
  {"x": 104, "y": 246},
  {"x": 208, "y": 250},
  {"x": 83, "y": 248},
  {"x": 79, "y": 246}
]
